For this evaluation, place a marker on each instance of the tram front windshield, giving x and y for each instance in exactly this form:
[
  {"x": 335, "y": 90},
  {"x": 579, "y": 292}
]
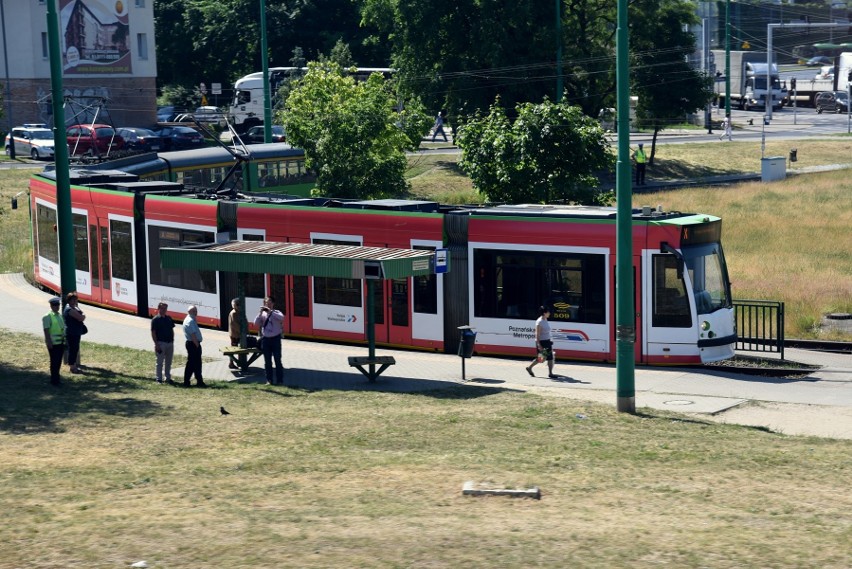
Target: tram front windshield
[{"x": 709, "y": 276}]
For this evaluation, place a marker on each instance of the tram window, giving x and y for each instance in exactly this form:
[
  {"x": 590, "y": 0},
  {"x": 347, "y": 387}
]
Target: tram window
[
  {"x": 255, "y": 283},
  {"x": 331, "y": 290},
  {"x": 93, "y": 255},
  {"x": 301, "y": 300},
  {"x": 48, "y": 244},
  {"x": 81, "y": 242},
  {"x": 513, "y": 284},
  {"x": 425, "y": 291},
  {"x": 104, "y": 256},
  {"x": 399, "y": 302},
  {"x": 121, "y": 249},
  {"x": 379, "y": 304},
  {"x": 278, "y": 291},
  {"x": 190, "y": 279},
  {"x": 670, "y": 301}
]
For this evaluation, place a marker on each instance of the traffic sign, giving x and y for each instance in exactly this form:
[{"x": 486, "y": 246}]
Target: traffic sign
[
  {"x": 203, "y": 88},
  {"x": 216, "y": 88}
]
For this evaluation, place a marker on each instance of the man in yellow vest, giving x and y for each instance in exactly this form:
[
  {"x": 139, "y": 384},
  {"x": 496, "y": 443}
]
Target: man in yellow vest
[
  {"x": 54, "y": 337},
  {"x": 641, "y": 159}
]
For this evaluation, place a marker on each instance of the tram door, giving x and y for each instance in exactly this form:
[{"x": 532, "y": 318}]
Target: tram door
[
  {"x": 392, "y": 311},
  {"x": 299, "y": 305},
  {"x": 668, "y": 324}
]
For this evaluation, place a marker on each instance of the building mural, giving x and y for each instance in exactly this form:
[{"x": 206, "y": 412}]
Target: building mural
[{"x": 95, "y": 36}]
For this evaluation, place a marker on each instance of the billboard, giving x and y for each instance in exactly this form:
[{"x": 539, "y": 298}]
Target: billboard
[{"x": 95, "y": 37}]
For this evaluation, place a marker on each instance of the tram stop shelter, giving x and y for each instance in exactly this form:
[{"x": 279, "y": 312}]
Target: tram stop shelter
[{"x": 370, "y": 264}]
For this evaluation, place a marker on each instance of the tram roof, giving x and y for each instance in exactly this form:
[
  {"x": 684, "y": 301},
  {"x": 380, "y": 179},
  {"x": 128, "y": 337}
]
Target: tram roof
[{"x": 301, "y": 259}]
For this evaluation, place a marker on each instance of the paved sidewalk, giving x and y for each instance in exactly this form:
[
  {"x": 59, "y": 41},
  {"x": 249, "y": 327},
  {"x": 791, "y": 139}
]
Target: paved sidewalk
[{"x": 820, "y": 404}]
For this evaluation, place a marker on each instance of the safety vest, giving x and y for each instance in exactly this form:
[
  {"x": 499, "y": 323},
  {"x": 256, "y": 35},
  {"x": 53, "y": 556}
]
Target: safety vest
[
  {"x": 56, "y": 328},
  {"x": 640, "y": 156}
]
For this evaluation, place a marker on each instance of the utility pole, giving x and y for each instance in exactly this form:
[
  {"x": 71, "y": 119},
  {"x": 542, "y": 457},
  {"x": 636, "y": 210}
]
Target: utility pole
[
  {"x": 64, "y": 228},
  {"x": 264, "y": 61},
  {"x": 8, "y": 90},
  {"x": 625, "y": 319},
  {"x": 558, "y": 51},
  {"x": 728, "y": 58}
]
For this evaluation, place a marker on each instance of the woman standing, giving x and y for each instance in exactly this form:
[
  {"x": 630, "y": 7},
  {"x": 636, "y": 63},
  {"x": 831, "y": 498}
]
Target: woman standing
[
  {"x": 74, "y": 330},
  {"x": 543, "y": 343}
]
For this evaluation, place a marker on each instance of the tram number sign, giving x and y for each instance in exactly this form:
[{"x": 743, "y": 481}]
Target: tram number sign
[{"x": 441, "y": 256}]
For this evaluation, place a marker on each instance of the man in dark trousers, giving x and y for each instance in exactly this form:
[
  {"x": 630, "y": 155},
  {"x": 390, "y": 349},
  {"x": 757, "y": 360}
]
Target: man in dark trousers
[
  {"x": 163, "y": 335},
  {"x": 54, "y": 338},
  {"x": 641, "y": 159},
  {"x": 192, "y": 335},
  {"x": 270, "y": 322}
]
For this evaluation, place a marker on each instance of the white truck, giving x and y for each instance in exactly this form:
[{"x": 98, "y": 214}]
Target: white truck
[
  {"x": 246, "y": 109},
  {"x": 748, "y": 80}
]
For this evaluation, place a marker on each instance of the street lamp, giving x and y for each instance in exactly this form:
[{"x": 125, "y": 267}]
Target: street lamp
[{"x": 8, "y": 91}]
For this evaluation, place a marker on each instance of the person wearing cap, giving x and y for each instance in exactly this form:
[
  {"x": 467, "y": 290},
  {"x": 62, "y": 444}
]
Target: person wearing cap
[
  {"x": 192, "y": 335},
  {"x": 640, "y": 158},
  {"x": 54, "y": 338}
]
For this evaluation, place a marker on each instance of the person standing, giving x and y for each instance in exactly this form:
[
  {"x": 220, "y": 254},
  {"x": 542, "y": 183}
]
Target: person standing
[
  {"x": 54, "y": 338},
  {"x": 74, "y": 330},
  {"x": 270, "y": 322},
  {"x": 439, "y": 127},
  {"x": 641, "y": 159},
  {"x": 192, "y": 335},
  {"x": 726, "y": 127},
  {"x": 234, "y": 328},
  {"x": 163, "y": 335},
  {"x": 543, "y": 343}
]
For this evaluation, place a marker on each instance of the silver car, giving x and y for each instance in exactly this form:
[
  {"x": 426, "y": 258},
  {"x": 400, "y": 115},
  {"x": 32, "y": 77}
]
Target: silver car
[{"x": 35, "y": 141}]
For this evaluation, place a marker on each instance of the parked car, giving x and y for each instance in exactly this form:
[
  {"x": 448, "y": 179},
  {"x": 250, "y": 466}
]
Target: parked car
[
  {"x": 92, "y": 140},
  {"x": 33, "y": 140},
  {"x": 140, "y": 139},
  {"x": 255, "y": 135},
  {"x": 818, "y": 60},
  {"x": 209, "y": 115},
  {"x": 180, "y": 138},
  {"x": 832, "y": 102}
]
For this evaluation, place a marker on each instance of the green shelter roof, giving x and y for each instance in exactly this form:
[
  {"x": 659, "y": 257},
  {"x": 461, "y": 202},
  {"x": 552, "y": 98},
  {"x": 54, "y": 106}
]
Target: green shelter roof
[{"x": 340, "y": 261}]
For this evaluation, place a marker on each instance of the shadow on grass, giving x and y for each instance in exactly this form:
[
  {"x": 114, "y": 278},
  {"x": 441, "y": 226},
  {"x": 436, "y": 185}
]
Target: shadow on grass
[
  {"x": 306, "y": 381},
  {"x": 31, "y": 405}
]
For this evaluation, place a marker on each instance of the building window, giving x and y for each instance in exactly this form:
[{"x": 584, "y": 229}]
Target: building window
[
  {"x": 140, "y": 3},
  {"x": 142, "y": 45},
  {"x": 45, "y": 52}
]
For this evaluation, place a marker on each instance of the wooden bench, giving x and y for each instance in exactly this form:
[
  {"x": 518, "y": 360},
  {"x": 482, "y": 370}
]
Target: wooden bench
[
  {"x": 242, "y": 357},
  {"x": 360, "y": 361}
]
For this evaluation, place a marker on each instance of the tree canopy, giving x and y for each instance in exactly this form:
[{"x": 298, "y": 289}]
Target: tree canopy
[
  {"x": 550, "y": 152},
  {"x": 353, "y": 136}
]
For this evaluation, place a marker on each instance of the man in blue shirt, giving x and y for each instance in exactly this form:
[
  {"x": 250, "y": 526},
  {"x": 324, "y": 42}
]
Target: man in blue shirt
[
  {"x": 192, "y": 335},
  {"x": 270, "y": 322}
]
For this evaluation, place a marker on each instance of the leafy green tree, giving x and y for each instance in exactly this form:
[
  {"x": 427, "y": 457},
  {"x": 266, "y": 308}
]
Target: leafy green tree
[
  {"x": 353, "y": 137},
  {"x": 550, "y": 152},
  {"x": 667, "y": 86}
]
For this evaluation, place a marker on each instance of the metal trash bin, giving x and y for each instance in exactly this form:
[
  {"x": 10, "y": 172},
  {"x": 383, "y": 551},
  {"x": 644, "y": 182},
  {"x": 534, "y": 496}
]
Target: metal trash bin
[
  {"x": 793, "y": 157},
  {"x": 466, "y": 342}
]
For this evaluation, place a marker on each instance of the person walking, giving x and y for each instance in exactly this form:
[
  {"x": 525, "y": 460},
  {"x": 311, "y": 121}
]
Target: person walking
[
  {"x": 726, "y": 128},
  {"x": 270, "y": 322},
  {"x": 543, "y": 343},
  {"x": 163, "y": 335},
  {"x": 234, "y": 328},
  {"x": 54, "y": 338},
  {"x": 192, "y": 335},
  {"x": 73, "y": 317},
  {"x": 641, "y": 159},
  {"x": 439, "y": 127}
]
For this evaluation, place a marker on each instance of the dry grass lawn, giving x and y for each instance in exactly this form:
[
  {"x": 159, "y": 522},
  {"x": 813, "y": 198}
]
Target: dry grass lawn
[{"x": 112, "y": 469}]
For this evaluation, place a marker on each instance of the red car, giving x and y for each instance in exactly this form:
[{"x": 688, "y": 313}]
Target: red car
[{"x": 93, "y": 140}]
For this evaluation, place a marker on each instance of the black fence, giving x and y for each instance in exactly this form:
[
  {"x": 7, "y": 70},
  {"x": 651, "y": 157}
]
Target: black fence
[{"x": 760, "y": 326}]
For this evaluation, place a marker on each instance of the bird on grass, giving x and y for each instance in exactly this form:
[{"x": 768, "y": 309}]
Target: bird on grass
[{"x": 223, "y": 411}]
